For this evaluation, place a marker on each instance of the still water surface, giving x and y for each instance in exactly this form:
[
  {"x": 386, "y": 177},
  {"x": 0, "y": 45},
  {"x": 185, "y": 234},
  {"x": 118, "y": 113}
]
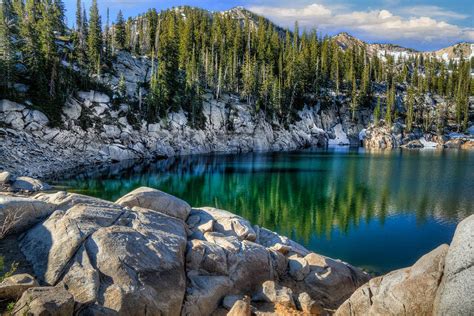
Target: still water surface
[{"x": 379, "y": 211}]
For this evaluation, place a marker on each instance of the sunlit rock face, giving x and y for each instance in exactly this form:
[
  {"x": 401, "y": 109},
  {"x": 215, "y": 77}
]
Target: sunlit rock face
[{"x": 152, "y": 249}]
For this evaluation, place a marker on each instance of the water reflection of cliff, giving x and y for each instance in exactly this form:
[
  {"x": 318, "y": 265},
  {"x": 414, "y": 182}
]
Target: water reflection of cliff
[{"x": 300, "y": 194}]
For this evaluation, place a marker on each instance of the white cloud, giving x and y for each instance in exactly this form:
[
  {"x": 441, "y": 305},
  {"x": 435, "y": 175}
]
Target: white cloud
[
  {"x": 432, "y": 11},
  {"x": 377, "y": 24}
]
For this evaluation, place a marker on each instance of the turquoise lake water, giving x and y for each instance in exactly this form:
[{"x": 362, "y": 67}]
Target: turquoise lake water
[{"x": 378, "y": 211}]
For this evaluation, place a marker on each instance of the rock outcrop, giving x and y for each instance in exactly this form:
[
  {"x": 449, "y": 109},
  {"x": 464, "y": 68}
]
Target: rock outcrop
[
  {"x": 13, "y": 287},
  {"x": 122, "y": 255},
  {"x": 20, "y": 213},
  {"x": 455, "y": 294},
  {"x": 150, "y": 253},
  {"x": 54, "y": 301},
  {"x": 409, "y": 291},
  {"x": 10, "y": 183},
  {"x": 382, "y": 137},
  {"x": 156, "y": 200}
]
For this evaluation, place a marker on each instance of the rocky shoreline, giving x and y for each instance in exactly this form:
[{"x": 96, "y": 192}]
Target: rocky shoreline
[
  {"x": 94, "y": 132},
  {"x": 150, "y": 253}
]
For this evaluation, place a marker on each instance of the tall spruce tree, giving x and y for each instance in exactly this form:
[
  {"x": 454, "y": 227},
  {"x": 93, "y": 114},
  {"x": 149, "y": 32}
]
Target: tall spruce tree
[
  {"x": 120, "y": 35},
  {"x": 7, "y": 53},
  {"x": 410, "y": 109},
  {"x": 94, "y": 38}
]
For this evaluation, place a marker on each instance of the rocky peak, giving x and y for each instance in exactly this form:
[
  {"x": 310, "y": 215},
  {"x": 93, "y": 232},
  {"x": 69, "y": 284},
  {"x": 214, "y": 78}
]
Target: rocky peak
[
  {"x": 456, "y": 51},
  {"x": 347, "y": 41}
]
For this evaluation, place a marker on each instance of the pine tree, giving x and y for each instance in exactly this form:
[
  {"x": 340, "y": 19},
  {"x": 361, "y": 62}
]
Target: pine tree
[
  {"x": 390, "y": 104},
  {"x": 122, "y": 87},
  {"x": 377, "y": 113},
  {"x": 107, "y": 38},
  {"x": 410, "y": 109},
  {"x": 94, "y": 39},
  {"x": 6, "y": 48},
  {"x": 120, "y": 35},
  {"x": 78, "y": 16},
  {"x": 354, "y": 96}
]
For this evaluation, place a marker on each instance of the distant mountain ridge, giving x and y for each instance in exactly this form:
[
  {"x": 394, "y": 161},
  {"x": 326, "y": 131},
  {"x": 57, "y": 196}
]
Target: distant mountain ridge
[{"x": 453, "y": 52}]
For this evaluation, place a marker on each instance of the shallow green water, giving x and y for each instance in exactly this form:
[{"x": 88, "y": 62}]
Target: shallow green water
[{"x": 380, "y": 211}]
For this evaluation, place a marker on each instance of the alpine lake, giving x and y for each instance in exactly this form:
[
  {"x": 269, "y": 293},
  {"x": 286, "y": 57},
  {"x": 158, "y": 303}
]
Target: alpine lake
[{"x": 377, "y": 210}]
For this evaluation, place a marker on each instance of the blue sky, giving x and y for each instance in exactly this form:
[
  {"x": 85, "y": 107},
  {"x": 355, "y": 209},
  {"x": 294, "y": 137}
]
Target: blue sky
[{"x": 419, "y": 24}]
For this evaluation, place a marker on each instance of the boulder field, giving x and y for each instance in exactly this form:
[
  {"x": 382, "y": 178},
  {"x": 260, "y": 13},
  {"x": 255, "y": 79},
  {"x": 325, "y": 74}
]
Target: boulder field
[{"x": 150, "y": 253}]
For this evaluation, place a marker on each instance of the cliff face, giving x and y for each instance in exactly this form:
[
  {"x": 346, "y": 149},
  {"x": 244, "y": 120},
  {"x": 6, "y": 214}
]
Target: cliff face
[{"x": 93, "y": 130}]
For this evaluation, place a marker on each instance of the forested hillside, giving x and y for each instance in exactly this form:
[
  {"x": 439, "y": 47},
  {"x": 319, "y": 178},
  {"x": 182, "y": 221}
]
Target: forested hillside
[{"x": 194, "y": 52}]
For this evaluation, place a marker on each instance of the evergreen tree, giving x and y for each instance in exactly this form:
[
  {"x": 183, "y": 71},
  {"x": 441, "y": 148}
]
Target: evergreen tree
[
  {"x": 122, "y": 87},
  {"x": 78, "y": 16},
  {"x": 410, "y": 109},
  {"x": 120, "y": 35},
  {"x": 354, "y": 96},
  {"x": 390, "y": 105},
  {"x": 377, "y": 113},
  {"x": 94, "y": 39},
  {"x": 107, "y": 38},
  {"x": 6, "y": 47}
]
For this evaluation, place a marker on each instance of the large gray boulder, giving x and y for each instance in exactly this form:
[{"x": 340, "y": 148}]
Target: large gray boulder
[
  {"x": 272, "y": 292},
  {"x": 64, "y": 201},
  {"x": 13, "y": 287},
  {"x": 409, "y": 291},
  {"x": 72, "y": 109},
  {"x": 110, "y": 258},
  {"x": 18, "y": 213},
  {"x": 10, "y": 106},
  {"x": 156, "y": 200},
  {"x": 145, "y": 261},
  {"x": 53, "y": 301},
  {"x": 204, "y": 293},
  {"x": 329, "y": 281},
  {"x": 51, "y": 245},
  {"x": 36, "y": 117},
  {"x": 223, "y": 222},
  {"x": 455, "y": 294},
  {"x": 29, "y": 184},
  {"x": 5, "y": 177}
]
